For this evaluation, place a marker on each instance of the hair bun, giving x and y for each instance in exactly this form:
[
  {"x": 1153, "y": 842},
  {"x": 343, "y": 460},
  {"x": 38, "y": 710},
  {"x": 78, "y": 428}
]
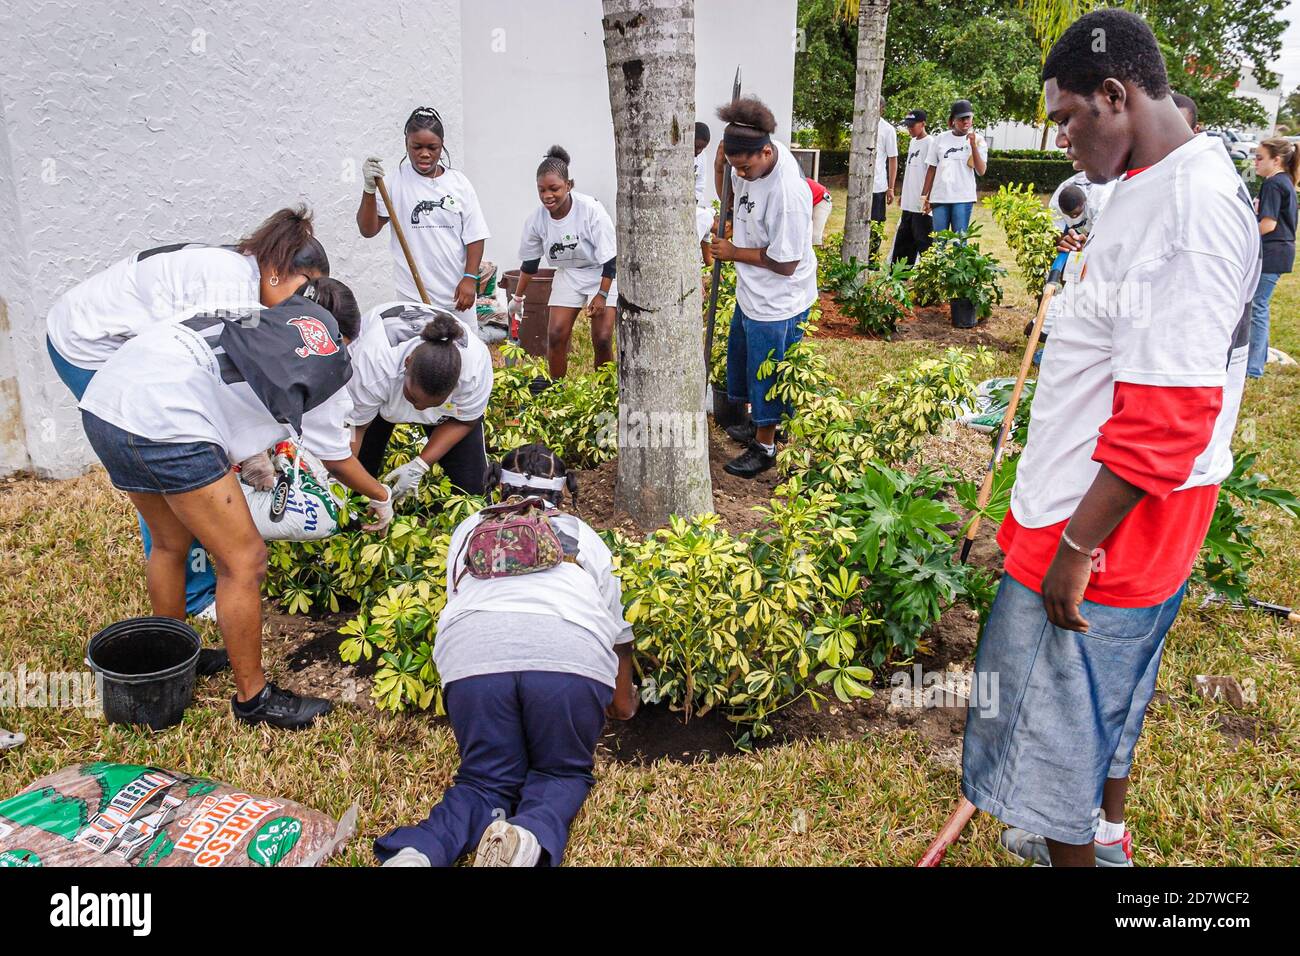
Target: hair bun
[
  {"x": 558, "y": 152},
  {"x": 443, "y": 329}
]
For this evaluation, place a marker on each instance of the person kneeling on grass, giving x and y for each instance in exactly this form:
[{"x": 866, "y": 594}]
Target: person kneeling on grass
[
  {"x": 533, "y": 652},
  {"x": 776, "y": 269}
]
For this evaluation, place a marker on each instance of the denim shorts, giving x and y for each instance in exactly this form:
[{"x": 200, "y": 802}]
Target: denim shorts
[
  {"x": 138, "y": 464},
  {"x": 1054, "y": 713},
  {"x": 748, "y": 345}
]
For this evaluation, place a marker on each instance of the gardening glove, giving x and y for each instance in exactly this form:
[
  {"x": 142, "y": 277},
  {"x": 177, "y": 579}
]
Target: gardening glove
[
  {"x": 405, "y": 480},
  {"x": 372, "y": 169},
  {"x": 257, "y": 472},
  {"x": 516, "y": 306},
  {"x": 381, "y": 511}
]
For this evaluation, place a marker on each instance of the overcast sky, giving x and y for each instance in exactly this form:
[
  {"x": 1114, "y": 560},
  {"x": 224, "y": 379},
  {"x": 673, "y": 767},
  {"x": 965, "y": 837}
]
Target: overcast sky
[{"x": 1288, "y": 64}]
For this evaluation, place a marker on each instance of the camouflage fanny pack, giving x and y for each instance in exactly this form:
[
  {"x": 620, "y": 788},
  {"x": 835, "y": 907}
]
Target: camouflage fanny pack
[{"x": 512, "y": 539}]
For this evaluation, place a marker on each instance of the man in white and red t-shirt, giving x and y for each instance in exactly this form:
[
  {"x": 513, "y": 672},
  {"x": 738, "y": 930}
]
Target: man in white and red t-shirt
[{"x": 1128, "y": 440}]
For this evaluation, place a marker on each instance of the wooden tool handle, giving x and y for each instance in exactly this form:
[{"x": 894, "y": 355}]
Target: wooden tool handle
[
  {"x": 948, "y": 835},
  {"x": 986, "y": 488},
  {"x": 401, "y": 239}
]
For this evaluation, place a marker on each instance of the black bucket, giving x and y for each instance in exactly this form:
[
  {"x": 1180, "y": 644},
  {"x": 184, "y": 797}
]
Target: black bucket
[
  {"x": 963, "y": 313},
  {"x": 147, "y": 666},
  {"x": 725, "y": 411}
]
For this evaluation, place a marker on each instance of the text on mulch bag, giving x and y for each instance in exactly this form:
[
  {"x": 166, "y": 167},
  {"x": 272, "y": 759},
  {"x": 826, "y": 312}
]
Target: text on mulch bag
[{"x": 221, "y": 824}]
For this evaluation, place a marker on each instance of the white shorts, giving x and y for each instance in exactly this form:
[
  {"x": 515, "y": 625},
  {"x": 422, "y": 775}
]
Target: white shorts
[
  {"x": 821, "y": 213},
  {"x": 574, "y": 288}
]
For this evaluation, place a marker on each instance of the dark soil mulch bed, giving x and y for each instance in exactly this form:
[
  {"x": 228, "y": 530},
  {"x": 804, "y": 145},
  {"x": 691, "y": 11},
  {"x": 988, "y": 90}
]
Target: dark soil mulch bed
[{"x": 926, "y": 323}]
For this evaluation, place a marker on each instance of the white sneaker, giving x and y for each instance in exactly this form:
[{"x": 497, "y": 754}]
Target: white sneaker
[
  {"x": 10, "y": 739},
  {"x": 505, "y": 844},
  {"x": 407, "y": 856},
  {"x": 209, "y": 613}
]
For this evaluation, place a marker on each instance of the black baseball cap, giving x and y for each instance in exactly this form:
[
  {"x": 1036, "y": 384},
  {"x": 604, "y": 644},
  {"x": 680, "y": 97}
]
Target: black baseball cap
[
  {"x": 914, "y": 116},
  {"x": 961, "y": 108}
]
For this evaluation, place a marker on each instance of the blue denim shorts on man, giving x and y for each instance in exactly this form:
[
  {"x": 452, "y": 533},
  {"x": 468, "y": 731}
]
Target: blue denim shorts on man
[
  {"x": 1054, "y": 713},
  {"x": 138, "y": 464},
  {"x": 748, "y": 345}
]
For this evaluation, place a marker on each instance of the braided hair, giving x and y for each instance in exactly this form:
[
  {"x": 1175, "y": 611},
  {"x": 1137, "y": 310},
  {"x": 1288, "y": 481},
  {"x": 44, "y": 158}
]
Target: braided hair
[
  {"x": 426, "y": 117},
  {"x": 533, "y": 461},
  {"x": 435, "y": 363},
  {"x": 555, "y": 161}
]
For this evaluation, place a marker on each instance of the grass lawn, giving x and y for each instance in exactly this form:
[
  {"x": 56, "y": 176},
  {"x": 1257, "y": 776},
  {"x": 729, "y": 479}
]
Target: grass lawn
[{"x": 1211, "y": 786}]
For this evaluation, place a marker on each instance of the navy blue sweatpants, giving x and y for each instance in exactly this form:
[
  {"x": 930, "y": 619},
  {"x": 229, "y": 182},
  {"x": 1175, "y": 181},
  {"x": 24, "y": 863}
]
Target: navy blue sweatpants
[{"x": 527, "y": 744}]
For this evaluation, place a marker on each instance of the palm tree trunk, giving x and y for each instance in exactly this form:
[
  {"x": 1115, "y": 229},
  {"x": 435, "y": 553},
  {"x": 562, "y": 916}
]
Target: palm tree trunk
[
  {"x": 663, "y": 463},
  {"x": 873, "y": 15}
]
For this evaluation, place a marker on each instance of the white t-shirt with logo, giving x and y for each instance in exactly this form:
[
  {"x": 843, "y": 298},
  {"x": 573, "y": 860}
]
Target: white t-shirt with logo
[
  {"x": 918, "y": 151},
  {"x": 583, "y": 241},
  {"x": 93, "y": 319},
  {"x": 1158, "y": 297},
  {"x": 954, "y": 181},
  {"x": 379, "y": 369},
  {"x": 440, "y": 216},
  {"x": 172, "y": 383},
  {"x": 775, "y": 213},
  {"x": 886, "y": 146}
]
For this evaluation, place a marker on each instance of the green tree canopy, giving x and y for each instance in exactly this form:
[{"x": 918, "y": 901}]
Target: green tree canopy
[{"x": 985, "y": 51}]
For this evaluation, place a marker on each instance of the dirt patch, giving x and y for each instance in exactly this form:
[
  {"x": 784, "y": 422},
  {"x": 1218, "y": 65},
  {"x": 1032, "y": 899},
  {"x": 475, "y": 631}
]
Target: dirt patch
[
  {"x": 733, "y": 498},
  {"x": 304, "y": 653},
  {"x": 927, "y": 323},
  {"x": 1240, "y": 728}
]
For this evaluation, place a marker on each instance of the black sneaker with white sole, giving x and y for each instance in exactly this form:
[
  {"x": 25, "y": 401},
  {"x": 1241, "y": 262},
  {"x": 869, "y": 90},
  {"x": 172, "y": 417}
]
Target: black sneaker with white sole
[
  {"x": 280, "y": 708},
  {"x": 745, "y": 433},
  {"x": 751, "y": 462}
]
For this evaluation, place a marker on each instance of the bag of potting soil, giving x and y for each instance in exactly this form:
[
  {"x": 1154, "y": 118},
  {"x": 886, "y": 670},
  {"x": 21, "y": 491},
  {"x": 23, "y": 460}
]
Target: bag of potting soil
[
  {"x": 991, "y": 399},
  {"x": 310, "y": 511},
  {"x": 107, "y": 814}
]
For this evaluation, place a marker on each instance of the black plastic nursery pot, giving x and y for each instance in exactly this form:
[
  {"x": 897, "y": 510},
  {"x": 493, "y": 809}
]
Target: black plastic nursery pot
[
  {"x": 726, "y": 412},
  {"x": 147, "y": 667},
  {"x": 963, "y": 313}
]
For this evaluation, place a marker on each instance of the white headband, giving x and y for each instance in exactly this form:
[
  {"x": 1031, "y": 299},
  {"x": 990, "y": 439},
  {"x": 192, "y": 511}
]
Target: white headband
[{"x": 516, "y": 480}]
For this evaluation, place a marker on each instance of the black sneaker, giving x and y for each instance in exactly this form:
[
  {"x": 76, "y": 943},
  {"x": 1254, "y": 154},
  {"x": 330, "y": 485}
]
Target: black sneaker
[
  {"x": 751, "y": 462},
  {"x": 743, "y": 433},
  {"x": 540, "y": 384},
  {"x": 280, "y": 708},
  {"x": 212, "y": 660}
]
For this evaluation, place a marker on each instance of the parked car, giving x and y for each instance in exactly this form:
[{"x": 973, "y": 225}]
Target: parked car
[{"x": 1231, "y": 143}]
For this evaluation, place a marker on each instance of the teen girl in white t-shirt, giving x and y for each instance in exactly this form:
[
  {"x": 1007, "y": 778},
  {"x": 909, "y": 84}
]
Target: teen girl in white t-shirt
[
  {"x": 440, "y": 217},
  {"x": 575, "y": 234}
]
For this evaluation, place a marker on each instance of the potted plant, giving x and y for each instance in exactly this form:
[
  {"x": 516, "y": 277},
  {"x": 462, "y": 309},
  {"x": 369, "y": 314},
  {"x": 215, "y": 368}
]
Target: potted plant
[{"x": 955, "y": 269}]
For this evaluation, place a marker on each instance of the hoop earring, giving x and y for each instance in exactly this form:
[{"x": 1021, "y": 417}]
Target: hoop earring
[{"x": 273, "y": 281}]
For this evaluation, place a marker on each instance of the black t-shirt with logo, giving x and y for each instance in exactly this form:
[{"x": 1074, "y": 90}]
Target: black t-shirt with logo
[{"x": 1277, "y": 201}]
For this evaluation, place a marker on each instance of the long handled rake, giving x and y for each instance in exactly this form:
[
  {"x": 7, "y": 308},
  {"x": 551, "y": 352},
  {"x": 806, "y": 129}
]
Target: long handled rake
[{"x": 401, "y": 240}]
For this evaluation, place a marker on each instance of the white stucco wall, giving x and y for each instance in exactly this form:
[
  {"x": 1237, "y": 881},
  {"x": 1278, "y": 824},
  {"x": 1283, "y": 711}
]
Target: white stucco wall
[
  {"x": 535, "y": 75},
  {"x": 128, "y": 124}
]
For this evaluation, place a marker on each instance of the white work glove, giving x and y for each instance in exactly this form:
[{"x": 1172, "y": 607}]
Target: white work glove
[
  {"x": 515, "y": 307},
  {"x": 257, "y": 472},
  {"x": 404, "y": 481},
  {"x": 381, "y": 511},
  {"x": 372, "y": 169}
]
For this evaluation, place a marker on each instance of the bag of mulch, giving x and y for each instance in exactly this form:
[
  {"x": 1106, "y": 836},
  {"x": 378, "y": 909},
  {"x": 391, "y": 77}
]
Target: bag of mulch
[
  {"x": 310, "y": 510},
  {"x": 487, "y": 279},
  {"x": 108, "y": 814}
]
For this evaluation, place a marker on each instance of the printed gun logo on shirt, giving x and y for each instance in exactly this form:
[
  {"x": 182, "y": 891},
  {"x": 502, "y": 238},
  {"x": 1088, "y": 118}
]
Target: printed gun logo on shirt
[
  {"x": 564, "y": 249},
  {"x": 316, "y": 338},
  {"x": 440, "y": 213}
]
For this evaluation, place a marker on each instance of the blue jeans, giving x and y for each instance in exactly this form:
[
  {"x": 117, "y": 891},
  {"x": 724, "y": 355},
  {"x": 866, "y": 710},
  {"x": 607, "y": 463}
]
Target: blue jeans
[
  {"x": 527, "y": 742},
  {"x": 748, "y": 345},
  {"x": 1259, "y": 324},
  {"x": 1055, "y": 713},
  {"x": 200, "y": 578},
  {"x": 951, "y": 215}
]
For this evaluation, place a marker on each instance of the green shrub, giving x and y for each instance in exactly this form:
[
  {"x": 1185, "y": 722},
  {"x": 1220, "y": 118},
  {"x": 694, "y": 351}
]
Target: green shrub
[
  {"x": 1030, "y": 230},
  {"x": 877, "y": 305},
  {"x": 955, "y": 268},
  {"x": 1229, "y": 551},
  {"x": 1044, "y": 175}
]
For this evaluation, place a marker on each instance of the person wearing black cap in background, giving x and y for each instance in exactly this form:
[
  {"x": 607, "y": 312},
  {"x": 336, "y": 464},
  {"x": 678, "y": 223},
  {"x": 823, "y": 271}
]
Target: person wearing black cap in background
[
  {"x": 956, "y": 158},
  {"x": 913, "y": 235}
]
